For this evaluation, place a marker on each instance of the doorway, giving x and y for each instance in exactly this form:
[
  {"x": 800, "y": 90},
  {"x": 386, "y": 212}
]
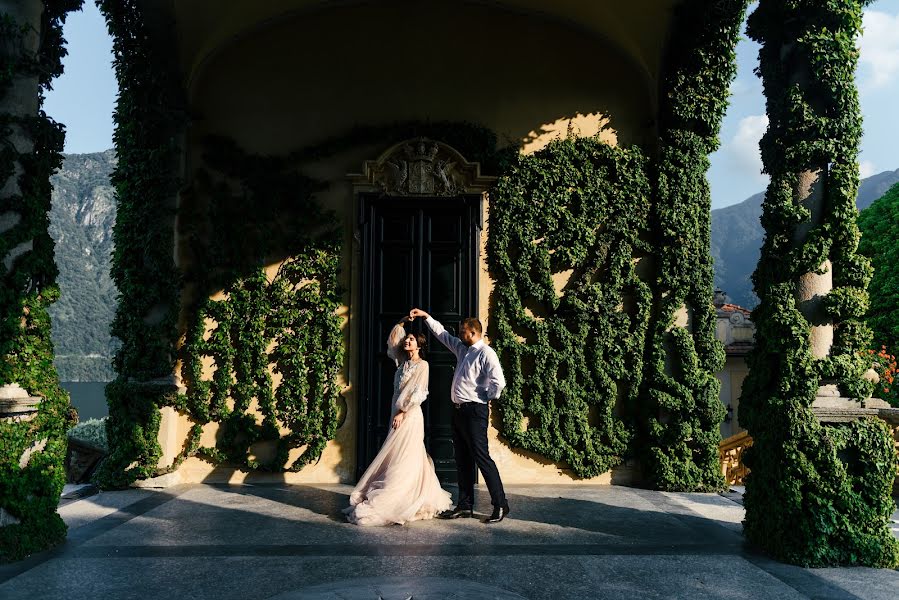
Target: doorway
[{"x": 416, "y": 252}]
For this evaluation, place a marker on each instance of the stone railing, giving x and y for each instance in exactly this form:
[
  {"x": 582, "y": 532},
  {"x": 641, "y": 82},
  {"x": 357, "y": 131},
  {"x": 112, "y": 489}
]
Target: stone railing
[{"x": 730, "y": 451}]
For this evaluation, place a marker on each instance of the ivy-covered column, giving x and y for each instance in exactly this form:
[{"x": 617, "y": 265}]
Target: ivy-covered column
[
  {"x": 819, "y": 488},
  {"x": 34, "y": 410},
  {"x": 146, "y": 178},
  {"x": 682, "y": 412}
]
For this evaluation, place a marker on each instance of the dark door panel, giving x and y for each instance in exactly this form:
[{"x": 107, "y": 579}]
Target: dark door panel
[
  {"x": 416, "y": 252},
  {"x": 396, "y": 289},
  {"x": 445, "y": 273}
]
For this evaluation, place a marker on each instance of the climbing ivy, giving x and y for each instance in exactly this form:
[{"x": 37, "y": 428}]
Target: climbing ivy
[
  {"x": 145, "y": 180},
  {"x": 818, "y": 494},
  {"x": 576, "y": 210},
  {"x": 681, "y": 412},
  {"x": 284, "y": 324},
  {"x": 30, "y": 493}
]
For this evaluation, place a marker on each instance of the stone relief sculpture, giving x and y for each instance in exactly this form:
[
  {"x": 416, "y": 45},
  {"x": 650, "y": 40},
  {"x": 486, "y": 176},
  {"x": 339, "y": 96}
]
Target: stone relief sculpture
[{"x": 422, "y": 167}]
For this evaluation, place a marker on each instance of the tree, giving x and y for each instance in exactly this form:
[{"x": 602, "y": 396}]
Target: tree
[{"x": 879, "y": 224}]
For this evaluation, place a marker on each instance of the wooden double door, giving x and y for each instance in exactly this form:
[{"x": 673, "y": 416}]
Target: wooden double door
[{"x": 416, "y": 252}]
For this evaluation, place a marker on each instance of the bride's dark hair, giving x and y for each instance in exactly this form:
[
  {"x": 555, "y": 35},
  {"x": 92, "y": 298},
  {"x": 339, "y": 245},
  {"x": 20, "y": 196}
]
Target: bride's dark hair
[{"x": 422, "y": 344}]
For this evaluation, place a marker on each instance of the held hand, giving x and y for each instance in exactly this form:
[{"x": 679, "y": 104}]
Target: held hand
[
  {"x": 417, "y": 312},
  {"x": 398, "y": 419}
]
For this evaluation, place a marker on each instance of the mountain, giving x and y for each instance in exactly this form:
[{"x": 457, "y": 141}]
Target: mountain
[
  {"x": 737, "y": 237},
  {"x": 82, "y": 215},
  {"x": 874, "y": 187}
]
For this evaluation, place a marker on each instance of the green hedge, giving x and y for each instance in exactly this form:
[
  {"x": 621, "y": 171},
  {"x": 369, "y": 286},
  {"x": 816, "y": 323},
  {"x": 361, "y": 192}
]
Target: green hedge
[{"x": 92, "y": 431}]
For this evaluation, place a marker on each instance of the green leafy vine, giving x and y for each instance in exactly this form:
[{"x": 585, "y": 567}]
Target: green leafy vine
[
  {"x": 571, "y": 351},
  {"x": 31, "y": 151},
  {"x": 681, "y": 412},
  {"x": 283, "y": 325},
  {"x": 147, "y": 123},
  {"x": 818, "y": 494}
]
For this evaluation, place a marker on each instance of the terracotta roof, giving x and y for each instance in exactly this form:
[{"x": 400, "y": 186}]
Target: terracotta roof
[{"x": 734, "y": 308}]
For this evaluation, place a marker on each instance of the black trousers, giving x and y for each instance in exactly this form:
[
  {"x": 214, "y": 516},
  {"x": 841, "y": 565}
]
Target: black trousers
[{"x": 470, "y": 444}]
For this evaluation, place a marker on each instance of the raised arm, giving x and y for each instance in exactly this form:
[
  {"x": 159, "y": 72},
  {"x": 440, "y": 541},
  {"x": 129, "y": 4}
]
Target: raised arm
[
  {"x": 455, "y": 345},
  {"x": 395, "y": 343}
]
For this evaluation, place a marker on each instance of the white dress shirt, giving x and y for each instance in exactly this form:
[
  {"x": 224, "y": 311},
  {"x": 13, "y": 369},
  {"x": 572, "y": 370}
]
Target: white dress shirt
[{"x": 478, "y": 376}]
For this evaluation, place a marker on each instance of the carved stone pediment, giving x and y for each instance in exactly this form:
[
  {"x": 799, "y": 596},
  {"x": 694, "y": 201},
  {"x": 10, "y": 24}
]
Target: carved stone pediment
[{"x": 422, "y": 167}]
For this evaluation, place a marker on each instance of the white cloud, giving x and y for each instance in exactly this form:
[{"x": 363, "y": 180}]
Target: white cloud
[
  {"x": 879, "y": 47},
  {"x": 743, "y": 148},
  {"x": 866, "y": 168},
  {"x": 742, "y": 86}
]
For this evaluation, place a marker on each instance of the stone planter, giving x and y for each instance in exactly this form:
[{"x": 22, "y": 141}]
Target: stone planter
[{"x": 16, "y": 405}]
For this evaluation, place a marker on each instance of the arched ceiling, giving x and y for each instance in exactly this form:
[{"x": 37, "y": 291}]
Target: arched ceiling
[{"x": 639, "y": 28}]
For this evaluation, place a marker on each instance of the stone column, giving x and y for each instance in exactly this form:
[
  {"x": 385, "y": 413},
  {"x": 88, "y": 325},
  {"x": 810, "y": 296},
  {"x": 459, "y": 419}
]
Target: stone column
[{"x": 813, "y": 286}]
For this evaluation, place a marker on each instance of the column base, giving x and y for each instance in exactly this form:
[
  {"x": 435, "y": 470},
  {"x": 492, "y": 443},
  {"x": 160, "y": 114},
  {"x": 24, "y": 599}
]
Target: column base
[{"x": 830, "y": 407}]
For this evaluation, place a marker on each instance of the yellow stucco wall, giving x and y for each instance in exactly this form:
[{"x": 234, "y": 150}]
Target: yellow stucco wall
[
  {"x": 731, "y": 377},
  {"x": 306, "y": 79}
]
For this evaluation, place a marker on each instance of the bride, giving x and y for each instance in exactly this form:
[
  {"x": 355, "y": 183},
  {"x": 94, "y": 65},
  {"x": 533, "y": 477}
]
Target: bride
[{"x": 400, "y": 485}]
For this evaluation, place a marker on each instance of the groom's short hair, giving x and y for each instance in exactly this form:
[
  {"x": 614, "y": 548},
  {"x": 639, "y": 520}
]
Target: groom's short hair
[{"x": 474, "y": 324}]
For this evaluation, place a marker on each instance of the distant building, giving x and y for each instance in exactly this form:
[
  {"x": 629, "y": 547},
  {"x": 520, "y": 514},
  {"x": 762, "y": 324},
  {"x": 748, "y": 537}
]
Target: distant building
[{"x": 737, "y": 332}]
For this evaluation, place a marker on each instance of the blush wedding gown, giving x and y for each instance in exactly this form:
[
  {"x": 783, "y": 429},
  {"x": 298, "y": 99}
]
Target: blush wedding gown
[{"x": 400, "y": 485}]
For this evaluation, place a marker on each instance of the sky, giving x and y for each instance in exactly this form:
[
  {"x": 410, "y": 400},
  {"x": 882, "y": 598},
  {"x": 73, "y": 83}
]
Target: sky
[
  {"x": 83, "y": 99},
  {"x": 736, "y": 171}
]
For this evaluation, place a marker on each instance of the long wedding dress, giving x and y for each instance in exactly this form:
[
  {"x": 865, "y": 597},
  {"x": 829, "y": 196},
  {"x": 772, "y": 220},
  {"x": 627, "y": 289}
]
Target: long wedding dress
[{"x": 400, "y": 485}]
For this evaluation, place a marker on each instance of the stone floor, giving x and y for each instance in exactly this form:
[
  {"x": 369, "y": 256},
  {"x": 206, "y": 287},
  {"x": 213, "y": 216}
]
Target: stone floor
[{"x": 290, "y": 542}]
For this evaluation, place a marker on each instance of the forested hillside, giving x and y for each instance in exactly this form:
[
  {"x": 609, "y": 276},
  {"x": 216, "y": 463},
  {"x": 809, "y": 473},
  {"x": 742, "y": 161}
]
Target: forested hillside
[
  {"x": 737, "y": 237},
  {"x": 81, "y": 221}
]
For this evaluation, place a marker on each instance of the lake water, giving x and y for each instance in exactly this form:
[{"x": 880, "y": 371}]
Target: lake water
[{"x": 88, "y": 397}]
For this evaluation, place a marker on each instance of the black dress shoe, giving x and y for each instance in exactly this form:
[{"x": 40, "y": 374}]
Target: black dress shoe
[
  {"x": 499, "y": 513},
  {"x": 456, "y": 513}
]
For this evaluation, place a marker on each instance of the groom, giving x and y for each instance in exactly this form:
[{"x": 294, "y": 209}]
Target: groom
[{"x": 477, "y": 380}]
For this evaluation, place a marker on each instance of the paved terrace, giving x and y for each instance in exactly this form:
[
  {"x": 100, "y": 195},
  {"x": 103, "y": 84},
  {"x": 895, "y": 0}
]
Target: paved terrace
[{"x": 290, "y": 542}]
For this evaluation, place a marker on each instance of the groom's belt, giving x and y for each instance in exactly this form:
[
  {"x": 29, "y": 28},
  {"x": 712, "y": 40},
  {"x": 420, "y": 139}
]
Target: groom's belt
[{"x": 458, "y": 404}]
